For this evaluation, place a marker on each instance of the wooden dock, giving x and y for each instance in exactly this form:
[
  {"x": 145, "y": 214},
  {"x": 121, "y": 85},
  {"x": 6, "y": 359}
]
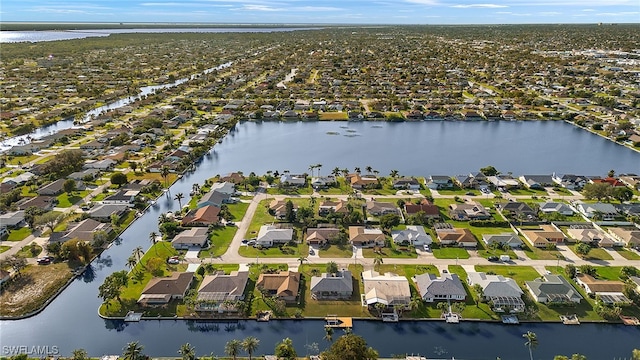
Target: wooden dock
[
  {"x": 570, "y": 319},
  {"x": 335, "y": 321}
]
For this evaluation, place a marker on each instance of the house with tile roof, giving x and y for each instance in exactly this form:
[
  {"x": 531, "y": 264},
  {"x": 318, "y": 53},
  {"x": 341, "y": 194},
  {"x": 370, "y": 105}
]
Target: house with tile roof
[
  {"x": 388, "y": 289},
  {"x": 161, "y": 290},
  {"x": 285, "y": 285}
]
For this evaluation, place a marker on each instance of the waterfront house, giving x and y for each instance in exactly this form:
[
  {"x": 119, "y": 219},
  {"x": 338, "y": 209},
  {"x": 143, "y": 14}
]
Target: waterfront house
[
  {"x": 627, "y": 237},
  {"x": 123, "y": 197},
  {"x": 219, "y": 292},
  {"x": 412, "y": 235},
  {"x": 366, "y": 237},
  {"x": 82, "y": 231},
  {"x": 321, "y": 235},
  {"x": 503, "y": 293},
  {"x": 591, "y": 236},
  {"x": 284, "y": 285},
  {"x": 234, "y": 178},
  {"x": 270, "y": 235},
  {"x": 552, "y": 289},
  {"x": 212, "y": 198},
  {"x": 406, "y": 183},
  {"x": 537, "y": 181},
  {"x": 360, "y": 182},
  {"x": 543, "y": 237},
  {"x": 507, "y": 238},
  {"x": 225, "y": 188},
  {"x": 609, "y": 180},
  {"x": 204, "y": 216},
  {"x": 456, "y": 237},
  {"x": 447, "y": 287},
  {"x": 289, "y": 180},
  {"x": 471, "y": 181},
  {"x": 327, "y": 207},
  {"x": 379, "y": 208},
  {"x": 438, "y": 182},
  {"x": 196, "y": 237},
  {"x": 609, "y": 292},
  {"x": 278, "y": 208},
  {"x": 105, "y": 212},
  {"x": 338, "y": 286},
  {"x": 570, "y": 181},
  {"x": 388, "y": 289},
  {"x": 605, "y": 211},
  {"x": 470, "y": 210},
  {"x": 161, "y": 290},
  {"x": 556, "y": 207},
  {"x": 503, "y": 182}
]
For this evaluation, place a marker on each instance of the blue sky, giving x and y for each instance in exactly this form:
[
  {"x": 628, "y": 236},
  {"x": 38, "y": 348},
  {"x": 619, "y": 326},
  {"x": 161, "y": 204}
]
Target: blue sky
[{"x": 325, "y": 11}]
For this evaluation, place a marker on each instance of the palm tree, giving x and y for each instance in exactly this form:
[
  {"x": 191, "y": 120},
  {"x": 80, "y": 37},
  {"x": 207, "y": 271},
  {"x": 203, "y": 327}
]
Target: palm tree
[
  {"x": 163, "y": 218},
  {"x": 336, "y": 171},
  {"x": 164, "y": 172},
  {"x": 187, "y": 351},
  {"x": 250, "y": 345},
  {"x": 311, "y": 167},
  {"x": 479, "y": 292},
  {"x": 133, "y": 351},
  {"x": 195, "y": 188},
  {"x": 377, "y": 261},
  {"x": 328, "y": 333},
  {"x": 179, "y": 197},
  {"x": 531, "y": 343},
  {"x": 138, "y": 252},
  {"x": 357, "y": 170},
  {"x": 393, "y": 173},
  {"x": 302, "y": 259},
  {"x": 318, "y": 166},
  {"x": 369, "y": 169},
  {"x": 153, "y": 237},
  {"x": 131, "y": 262},
  {"x": 232, "y": 348}
]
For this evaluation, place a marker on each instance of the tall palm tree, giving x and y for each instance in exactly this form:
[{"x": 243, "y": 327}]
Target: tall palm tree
[
  {"x": 302, "y": 259},
  {"x": 531, "y": 343},
  {"x": 153, "y": 237},
  {"x": 187, "y": 351},
  {"x": 357, "y": 170},
  {"x": 311, "y": 168},
  {"x": 179, "y": 197},
  {"x": 195, "y": 188},
  {"x": 131, "y": 262},
  {"x": 164, "y": 172},
  {"x": 369, "y": 169},
  {"x": 328, "y": 333},
  {"x": 232, "y": 348},
  {"x": 163, "y": 218},
  {"x": 133, "y": 351},
  {"x": 377, "y": 261},
  {"x": 336, "y": 171},
  {"x": 318, "y": 166},
  {"x": 394, "y": 173},
  {"x": 138, "y": 252},
  {"x": 250, "y": 344}
]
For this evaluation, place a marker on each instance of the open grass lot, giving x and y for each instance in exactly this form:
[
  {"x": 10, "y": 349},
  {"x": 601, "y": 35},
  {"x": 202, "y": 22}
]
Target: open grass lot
[
  {"x": 284, "y": 251},
  {"x": 290, "y": 191},
  {"x": 29, "y": 291},
  {"x": 394, "y": 251},
  {"x": 336, "y": 251},
  {"x": 19, "y": 234},
  {"x": 535, "y": 253},
  {"x": 220, "y": 239},
  {"x": 627, "y": 254},
  {"x": 65, "y": 200},
  {"x": 594, "y": 254},
  {"x": 525, "y": 191},
  {"x": 333, "y": 116},
  {"x": 449, "y": 252},
  {"x": 237, "y": 210},
  {"x": 261, "y": 217}
]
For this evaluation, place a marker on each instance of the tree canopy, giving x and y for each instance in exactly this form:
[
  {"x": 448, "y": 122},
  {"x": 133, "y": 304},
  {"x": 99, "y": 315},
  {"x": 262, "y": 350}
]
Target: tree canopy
[{"x": 350, "y": 347}]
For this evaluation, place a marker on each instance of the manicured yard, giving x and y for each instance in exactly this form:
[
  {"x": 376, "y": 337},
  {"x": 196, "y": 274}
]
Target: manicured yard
[
  {"x": 594, "y": 254},
  {"x": 474, "y": 308},
  {"x": 4, "y": 248},
  {"x": 534, "y": 253},
  {"x": 518, "y": 273},
  {"x": 627, "y": 254},
  {"x": 220, "y": 239},
  {"x": 65, "y": 200},
  {"x": 608, "y": 272},
  {"x": 19, "y": 234},
  {"x": 336, "y": 251},
  {"x": 449, "y": 252},
  {"x": 26, "y": 252},
  {"x": 284, "y": 251},
  {"x": 394, "y": 251},
  {"x": 237, "y": 210},
  {"x": 261, "y": 217}
]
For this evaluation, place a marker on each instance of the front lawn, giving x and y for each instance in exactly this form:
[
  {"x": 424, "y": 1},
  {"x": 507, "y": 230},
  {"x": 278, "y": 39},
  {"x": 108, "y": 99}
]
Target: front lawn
[
  {"x": 284, "y": 251},
  {"x": 260, "y": 217},
  {"x": 19, "y": 234},
  {"x": 220, "y": 239},
  {"x": 336, "y": 251},
  {"x": 535, "y": 253},
  {"x": 65, "y": 200},
  {"x": 627, "y": 254},
  {"x": 237, "y": 210},
  {"x": 395, "y": 251},
  {"x": 449, "y": 252},
  {"x": 30, "y": 251},
  {"x": 594, "y": 254}
]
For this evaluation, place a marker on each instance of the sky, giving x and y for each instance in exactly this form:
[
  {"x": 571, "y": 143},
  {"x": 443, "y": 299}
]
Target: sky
[{"x": 324, "y": 11}]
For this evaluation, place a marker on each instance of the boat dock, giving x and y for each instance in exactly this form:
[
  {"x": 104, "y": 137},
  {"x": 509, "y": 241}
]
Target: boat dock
[
  {"x": 452, "y": 318},
  {"x": 390, "y": 317},
  {"x": 133, "y": 316},
  {"x": 570, "y": 319},
  {"x": 263, "y": 315},
  {"x": 335, "y": 321},
  {"x": 510, "y": 319},
  {"x": 630, "y": 320}
]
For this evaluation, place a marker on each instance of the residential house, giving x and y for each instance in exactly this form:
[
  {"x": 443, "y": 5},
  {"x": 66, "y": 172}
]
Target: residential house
[
  {"x": 571, "y": 182},
  {"x": 471, "y": 181},
  {"x": 279, "y": 208},
  {"x": 103, "y": 165},
  {"x": 545, "y": 236},
  {"x": 195, "y": 237},
  {"x": 91, "y": 174},
  {"x": 46, "y": 203},
  {"x": 447, "y": 287},
  {"x": 457, "y": 237},
  {"x": 537, "y": 181},
  {"x": 406, "y": 183},
  {"x": 161, "y": 290},
  {"x": 519, "y": 210},
  {"x": 550, "y": 207},
  {"x": 366, "y": 237},
  {"x": 234, "y": 178},
  {"x": 321, "y": 235},
  {"x": 609, "y": 292},
  {"x": 290, "y": 180},
  {"x": 105, "y": 212},
  {"x": 225, "y": 188},
  {"x": 603, "y": 210},
  {"x": 217, "y": 290},
  {"x": 632, "y": 209},
  {"x": 609, "y": 180},
  {"x": 552, "y": 289},
  {"x": 362, "y": 182},
  {"x": 388, "y": 289},
  {"x": 338, "y": 286},
  {"x": 503, "y": 182},
  {"x": 510, "y": 239},
  {"x": 270, "y": 235},
  {"x": 438, "y": 182},
  {"x": 591, "y": 236},
  {"x": 12, "y": 220},
  {"x": 379, "y": 208},
  {"x": 204, "y": 216},
  {"x": 285, "y": 285},
  {"x": 322, "y": 182},
  {"x": 503, "y": 293},
  {"x": 470, "y": 210},
  {"x": 327, "y": 207},
  {"x": 412, "y": 235},
  {"x": 19, "y": 179},
  {"x": 122, "y": 197},
  {"x": 427, "y": 209},
  {"x": 82, "y": 231},
  {"x": 52, "y": 189},
  {"x": 212, "y": 198},
  {"x": 628, "y": 237},
  {"x": 631, "y": 180}
]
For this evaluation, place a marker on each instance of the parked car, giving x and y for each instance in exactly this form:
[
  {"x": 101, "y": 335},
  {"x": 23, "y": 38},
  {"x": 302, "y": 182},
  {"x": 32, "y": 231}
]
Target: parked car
[
  {"x": 173, "y": 260},
  {"x": 251, "y": 242},
  {"x": 493, "y": 258},
  {"x": 311, "y": 252},
  {"x": 426, "y": 247},
  {"x": 231, "y": 224},
  {"x": 44, "y": 261}
]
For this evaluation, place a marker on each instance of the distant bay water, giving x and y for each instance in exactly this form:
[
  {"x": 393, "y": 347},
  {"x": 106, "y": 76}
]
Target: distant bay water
[{"x": 38, "y": 36}]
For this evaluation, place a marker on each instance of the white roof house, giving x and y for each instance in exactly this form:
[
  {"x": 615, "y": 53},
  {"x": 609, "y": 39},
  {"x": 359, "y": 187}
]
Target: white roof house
[
  {"x": 388, "y": 289},
  {"x": 414, "y": 235},
  {"x": 269, "y": 235},
  {"x": 226, "y": 188}
]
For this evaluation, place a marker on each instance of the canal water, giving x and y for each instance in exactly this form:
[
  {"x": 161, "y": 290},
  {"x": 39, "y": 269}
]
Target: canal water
[{"x": 71, "y": 320}]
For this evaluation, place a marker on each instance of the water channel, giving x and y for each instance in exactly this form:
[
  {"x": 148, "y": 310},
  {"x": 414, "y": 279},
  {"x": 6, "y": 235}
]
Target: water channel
[{"x": 71, "y": 320}]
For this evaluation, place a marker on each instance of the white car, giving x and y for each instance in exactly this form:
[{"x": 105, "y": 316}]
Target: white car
[{"x": 173, "y": 260}]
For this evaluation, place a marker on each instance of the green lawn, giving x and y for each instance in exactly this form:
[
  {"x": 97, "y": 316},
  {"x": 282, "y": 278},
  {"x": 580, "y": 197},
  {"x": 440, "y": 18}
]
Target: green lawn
[
  {"x": 474, "y": 308},
  {"x": 594, "y": 254},
  {"x": 534, "y": 253},
  {"x": 19, "y": 234},
  {"x": 260, "y": 218},
  {"x": 627, "y": 254},
  {"x": 337, "y": 251},
  {"x": 449, "y": 252},
  {"x": 65, "y": 200},
  {"x": 237, "y": 210},
  {"x": 285, "y": 251},
  {"x": 518, "y": 273},
  {"x": 394, "y": 251},
  {"x": 220, "y": 239},
  {"x": 608, "y": 272},
  {"x": 4, "y": 248}
]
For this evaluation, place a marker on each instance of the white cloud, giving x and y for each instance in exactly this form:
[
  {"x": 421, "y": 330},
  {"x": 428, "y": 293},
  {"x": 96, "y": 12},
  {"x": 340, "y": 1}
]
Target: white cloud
[
  {"x": 318, "y": 8},
  {"x": 588, "y": 10},
  {"x": 258, "y": 8},
  {"x": 550, "y": 13},
  {"x": 622, "y": 13},
  {"x": 479, "y": 6},
  {"x": 423, "y": 2}
]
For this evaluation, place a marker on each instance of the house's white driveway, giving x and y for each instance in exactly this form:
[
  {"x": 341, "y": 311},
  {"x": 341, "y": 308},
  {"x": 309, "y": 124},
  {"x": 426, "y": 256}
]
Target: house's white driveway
[{"x": 192, "y": 253}]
